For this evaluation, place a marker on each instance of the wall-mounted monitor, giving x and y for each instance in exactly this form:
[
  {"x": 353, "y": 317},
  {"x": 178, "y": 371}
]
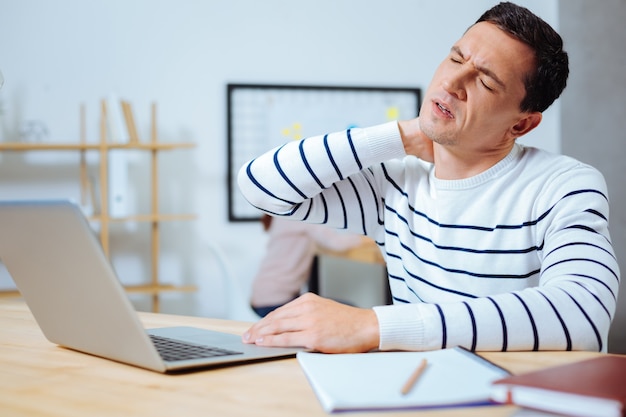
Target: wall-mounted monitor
[{"x": 261, "y": 117}]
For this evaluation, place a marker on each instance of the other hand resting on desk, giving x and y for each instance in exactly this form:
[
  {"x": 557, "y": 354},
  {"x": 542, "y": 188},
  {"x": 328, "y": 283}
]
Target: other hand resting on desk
[{"x": 319, "y": 324}]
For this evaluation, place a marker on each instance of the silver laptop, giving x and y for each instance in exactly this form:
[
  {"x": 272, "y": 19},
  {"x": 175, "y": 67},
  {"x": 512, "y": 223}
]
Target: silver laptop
[{"x": 58, "y": 265}]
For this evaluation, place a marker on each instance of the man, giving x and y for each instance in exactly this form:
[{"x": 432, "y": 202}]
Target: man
[{"x": 492, "y": 246}]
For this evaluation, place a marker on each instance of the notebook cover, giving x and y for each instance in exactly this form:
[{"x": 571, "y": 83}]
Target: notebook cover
[{"x": 602, "y": 377}]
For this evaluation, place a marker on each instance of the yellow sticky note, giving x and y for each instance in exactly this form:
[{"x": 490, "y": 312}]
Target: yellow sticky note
[{"x": 393, "y": 113}]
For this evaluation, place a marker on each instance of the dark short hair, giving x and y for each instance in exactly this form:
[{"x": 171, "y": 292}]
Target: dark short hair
[{"x": 549, "y": 78}]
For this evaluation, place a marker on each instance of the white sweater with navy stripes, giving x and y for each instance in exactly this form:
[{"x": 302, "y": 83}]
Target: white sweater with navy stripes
[{"x": 518, "y": 257}]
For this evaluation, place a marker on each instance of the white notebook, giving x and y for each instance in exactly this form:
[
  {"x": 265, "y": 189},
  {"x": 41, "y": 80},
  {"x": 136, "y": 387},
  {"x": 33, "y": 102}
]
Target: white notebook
[{"x": 373, "y": 381}]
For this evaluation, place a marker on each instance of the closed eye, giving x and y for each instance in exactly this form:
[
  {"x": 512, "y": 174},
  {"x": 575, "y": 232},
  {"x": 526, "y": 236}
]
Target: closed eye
[
  {"x": 457, "y": 56},
  {"x": 486, "y": 85}
]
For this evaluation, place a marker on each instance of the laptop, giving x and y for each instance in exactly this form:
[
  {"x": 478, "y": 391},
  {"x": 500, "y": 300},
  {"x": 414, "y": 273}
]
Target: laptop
[{"x": 57, "y": 264}]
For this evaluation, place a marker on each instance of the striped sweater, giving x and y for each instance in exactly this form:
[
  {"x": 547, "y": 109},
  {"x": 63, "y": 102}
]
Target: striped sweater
[{"x": 518, "y": 257}]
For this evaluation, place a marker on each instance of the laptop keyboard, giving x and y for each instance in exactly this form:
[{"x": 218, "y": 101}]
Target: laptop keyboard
[{"x": 175, "y": 350}]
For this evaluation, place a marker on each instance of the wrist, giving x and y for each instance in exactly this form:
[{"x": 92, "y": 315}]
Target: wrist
[{"x": 371, "y": 332}]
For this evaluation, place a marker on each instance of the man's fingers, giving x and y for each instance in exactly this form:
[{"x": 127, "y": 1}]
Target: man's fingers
[
  {"x": 287, "y": 339},
  {"x": 273, "y": 326}
]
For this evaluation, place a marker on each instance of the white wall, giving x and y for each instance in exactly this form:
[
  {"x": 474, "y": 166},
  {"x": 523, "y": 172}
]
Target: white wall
[
  {"x": 593, "y": 120},
  {"x": 58, "y": 54}
]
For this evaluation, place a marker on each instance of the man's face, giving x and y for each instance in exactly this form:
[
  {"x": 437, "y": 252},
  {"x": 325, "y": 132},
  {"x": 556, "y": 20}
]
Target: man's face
[{"x": 473, "y": 100}]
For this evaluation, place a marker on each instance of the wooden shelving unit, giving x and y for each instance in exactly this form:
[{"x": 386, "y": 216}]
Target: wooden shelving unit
[{"x": 154, "y": 287}]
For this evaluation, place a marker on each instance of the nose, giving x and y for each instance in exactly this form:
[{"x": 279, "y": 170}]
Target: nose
[{"x": 454, "y": 83}]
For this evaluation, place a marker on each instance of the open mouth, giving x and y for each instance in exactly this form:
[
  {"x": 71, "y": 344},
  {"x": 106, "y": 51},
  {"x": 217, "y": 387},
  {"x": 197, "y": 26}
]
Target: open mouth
[{"x": 444, "y": 110}]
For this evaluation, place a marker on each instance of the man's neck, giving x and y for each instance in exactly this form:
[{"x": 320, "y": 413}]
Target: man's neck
[{"x": 452, "y": 163}]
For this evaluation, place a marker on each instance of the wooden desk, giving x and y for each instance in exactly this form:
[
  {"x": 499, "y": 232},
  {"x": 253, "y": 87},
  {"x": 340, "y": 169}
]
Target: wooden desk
[{"x": 38, "y": 378}]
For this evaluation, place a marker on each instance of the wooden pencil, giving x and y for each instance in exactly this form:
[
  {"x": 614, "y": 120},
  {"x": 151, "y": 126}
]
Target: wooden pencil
[{"x": 415, "y": 376}]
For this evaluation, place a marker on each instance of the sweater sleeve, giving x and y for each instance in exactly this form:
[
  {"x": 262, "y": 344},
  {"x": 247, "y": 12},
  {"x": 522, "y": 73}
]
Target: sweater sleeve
[{"x": 303, "y": 179}]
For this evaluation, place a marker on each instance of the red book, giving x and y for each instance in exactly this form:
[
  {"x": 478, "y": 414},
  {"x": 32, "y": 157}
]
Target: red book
[{"x": 589, "y": 388}]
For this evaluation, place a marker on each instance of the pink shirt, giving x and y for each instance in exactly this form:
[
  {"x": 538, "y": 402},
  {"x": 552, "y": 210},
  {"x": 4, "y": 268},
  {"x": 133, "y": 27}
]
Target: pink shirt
[{"x": 289, "y": 255}]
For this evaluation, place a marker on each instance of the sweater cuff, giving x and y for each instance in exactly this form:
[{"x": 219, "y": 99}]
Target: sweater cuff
[
  {"x": 384, "y": 141},
  {"x": 401, "y": 327}
]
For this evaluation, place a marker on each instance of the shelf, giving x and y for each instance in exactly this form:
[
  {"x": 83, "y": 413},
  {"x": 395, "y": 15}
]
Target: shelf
[
  {"x": 9, "y": 293},
  {"x": 131, "y": 289},
  {"x": 148, "y": 146},
  {"x": 154, "y": 287},
  {"x": 146, "y": 218}
]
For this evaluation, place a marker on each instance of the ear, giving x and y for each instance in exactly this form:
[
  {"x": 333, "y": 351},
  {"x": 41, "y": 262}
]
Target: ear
[{"x": 528, "y": 122}]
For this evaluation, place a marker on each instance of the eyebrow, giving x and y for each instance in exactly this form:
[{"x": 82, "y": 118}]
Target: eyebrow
[{"x": 480, "y": 68}]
